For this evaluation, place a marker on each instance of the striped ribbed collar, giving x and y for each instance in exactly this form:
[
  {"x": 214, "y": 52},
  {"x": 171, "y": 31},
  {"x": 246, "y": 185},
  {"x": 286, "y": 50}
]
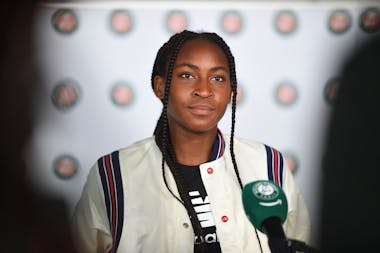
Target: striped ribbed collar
[{"x": 218, "y": 147}]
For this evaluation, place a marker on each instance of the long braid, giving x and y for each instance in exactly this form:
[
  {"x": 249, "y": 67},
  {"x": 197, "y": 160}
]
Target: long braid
[
  {"x": 233, "y": 80},
  {"x": 166, "y": 147},
  {"x": 233, "y": 116}
]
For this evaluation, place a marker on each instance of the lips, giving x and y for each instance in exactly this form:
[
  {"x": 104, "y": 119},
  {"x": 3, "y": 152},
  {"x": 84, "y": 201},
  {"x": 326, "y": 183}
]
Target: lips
[{"x": 201, "y": 109}]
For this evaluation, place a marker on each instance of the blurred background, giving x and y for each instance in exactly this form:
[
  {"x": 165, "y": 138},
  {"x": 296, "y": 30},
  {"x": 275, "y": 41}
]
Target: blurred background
[{"x": 94, "y": 61}]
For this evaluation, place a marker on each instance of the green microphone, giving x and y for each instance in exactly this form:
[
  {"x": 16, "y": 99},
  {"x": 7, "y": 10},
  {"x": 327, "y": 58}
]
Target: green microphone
[{"x": 266, "y": 207}]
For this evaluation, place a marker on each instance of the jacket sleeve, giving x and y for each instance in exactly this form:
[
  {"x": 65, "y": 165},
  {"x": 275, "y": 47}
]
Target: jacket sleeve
[
  {"x": 89, "y": 222},
  {"x": 297, "y": 224}
]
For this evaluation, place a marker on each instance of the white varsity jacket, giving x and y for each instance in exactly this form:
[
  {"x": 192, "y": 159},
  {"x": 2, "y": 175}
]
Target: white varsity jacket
[{"x": 125, "y": 206}]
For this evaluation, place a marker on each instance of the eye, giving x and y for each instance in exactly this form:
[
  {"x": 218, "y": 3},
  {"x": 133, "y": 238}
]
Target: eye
[
  {"x": 218, "y": 78},
  {"x": 186, "y": 75}
]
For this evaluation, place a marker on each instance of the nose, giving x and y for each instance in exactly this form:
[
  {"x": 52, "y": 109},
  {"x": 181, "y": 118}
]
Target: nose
[{"x": 203, "y": 89}]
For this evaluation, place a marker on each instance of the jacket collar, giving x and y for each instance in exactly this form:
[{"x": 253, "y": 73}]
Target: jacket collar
[{"x": 218, "y": 147}]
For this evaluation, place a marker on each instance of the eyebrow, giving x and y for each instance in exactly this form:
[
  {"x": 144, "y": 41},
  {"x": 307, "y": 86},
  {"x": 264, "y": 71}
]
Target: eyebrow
[{"x": 192, "y": 66}]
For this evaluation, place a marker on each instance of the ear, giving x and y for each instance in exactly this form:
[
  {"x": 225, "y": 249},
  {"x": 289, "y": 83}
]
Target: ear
[{"x": 159, "y": 87}]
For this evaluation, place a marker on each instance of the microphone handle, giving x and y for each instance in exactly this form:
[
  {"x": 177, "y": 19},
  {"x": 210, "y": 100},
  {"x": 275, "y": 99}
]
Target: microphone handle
[
  {"x": 301, "y": 246},
  {"x": 278, "y": 243},
  {"x": 281, "y": 245},
  {"x": 272, "y": 228}
]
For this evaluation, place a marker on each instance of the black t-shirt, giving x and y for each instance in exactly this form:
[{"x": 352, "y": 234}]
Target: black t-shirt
[{"x": 199, "y": 199}]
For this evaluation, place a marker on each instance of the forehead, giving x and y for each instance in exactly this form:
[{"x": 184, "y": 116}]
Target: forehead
[{"x": 193, "y": 49}]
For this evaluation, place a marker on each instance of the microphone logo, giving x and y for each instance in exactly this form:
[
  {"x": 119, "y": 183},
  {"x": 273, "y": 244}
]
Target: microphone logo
[{"x": 265, "y": 190}]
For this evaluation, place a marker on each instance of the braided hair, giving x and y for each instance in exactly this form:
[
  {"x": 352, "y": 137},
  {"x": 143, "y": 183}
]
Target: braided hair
[{"x": 163, "y": 67}]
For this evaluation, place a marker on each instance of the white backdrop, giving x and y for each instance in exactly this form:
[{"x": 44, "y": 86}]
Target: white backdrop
[{"x": 95, "y": 62}]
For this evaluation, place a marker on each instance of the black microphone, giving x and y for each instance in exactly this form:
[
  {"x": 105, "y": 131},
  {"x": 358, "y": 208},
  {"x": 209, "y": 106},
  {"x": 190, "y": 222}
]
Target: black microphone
[{"x": 266, "y": 206}]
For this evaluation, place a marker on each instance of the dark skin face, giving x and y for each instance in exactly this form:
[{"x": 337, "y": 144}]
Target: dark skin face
[{"x": 199, "y": 94}]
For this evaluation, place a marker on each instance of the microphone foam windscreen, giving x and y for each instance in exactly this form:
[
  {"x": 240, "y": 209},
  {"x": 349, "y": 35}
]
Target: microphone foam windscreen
[{"x": 264, "y": 199}]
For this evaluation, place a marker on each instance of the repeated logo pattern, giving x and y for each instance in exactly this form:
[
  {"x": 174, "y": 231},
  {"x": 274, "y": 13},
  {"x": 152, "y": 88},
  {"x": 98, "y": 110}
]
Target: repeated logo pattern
[
  {"x": 240, "y": 94},
  {"x": 292, "y": 161},
  {"x": 65, "y": 166},
  {"x": 232, "y": 22},
  {"x": 121, "y": 21},
  {"x": 370, "y": 20},
  {"x": 339, "y": 21},
  {"x": 331, "y": 89},
  {"x": 67, "y": 93},
  {"x": 122, "y": 94},
  {"x": 286, "y": 93},
  {"x": 285, "y": 22},
  {"x": 176, "y": 21},
  {"x": 65, "y": 21}
]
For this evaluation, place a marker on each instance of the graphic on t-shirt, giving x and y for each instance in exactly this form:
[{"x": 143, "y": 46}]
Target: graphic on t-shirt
[{"x": 202, "y": 208}]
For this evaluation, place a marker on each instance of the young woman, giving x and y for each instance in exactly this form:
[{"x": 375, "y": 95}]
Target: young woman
[{"x": 180, "y": 190}]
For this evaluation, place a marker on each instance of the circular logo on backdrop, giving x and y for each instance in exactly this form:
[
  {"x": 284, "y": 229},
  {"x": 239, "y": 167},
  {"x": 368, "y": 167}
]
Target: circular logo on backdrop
[
  {"x": 231, "y": 22},
  {"x": 331, "y": 89},
  {"x": 121, "y": 21},
  {"x": 370, "y": 20},
  {"x": 65, "y": 166},
  {"x": 65, "y": 95},
  {"x": 65, "y": 21},
  {"x": 239, "y": 95},
  {"x": 339, "y": 21},
  {"x": 292, "y": 161},
  {"x": 176, "y": 21},
  {"x": 121, "y": 94},
  {"x": 286, "y": 93},
  {"x": 285, "y": 22},
  {"x": 265, "y": 190}
]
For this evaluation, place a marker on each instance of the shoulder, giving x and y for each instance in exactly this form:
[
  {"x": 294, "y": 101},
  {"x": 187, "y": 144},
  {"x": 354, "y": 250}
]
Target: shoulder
[
  {"x": 133, "y": 157},
  {"x": 250, "y": 145},
  {"x": 138, "y": 148},
  {"x": 257, "y": 160}
]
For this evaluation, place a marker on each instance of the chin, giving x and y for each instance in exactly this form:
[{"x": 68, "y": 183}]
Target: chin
[{"x": 201, "y": 129}]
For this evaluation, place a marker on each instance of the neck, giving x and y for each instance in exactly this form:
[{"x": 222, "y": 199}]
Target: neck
[{"x": 192, "y": 148}]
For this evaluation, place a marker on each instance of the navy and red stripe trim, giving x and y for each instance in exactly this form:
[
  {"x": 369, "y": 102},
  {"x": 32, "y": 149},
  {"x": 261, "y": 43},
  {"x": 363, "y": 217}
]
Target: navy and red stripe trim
[
  {"x": 218, "y": 147},
  {"x": 109, "y": 170},
  {"x": 275, "y": 164}
]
